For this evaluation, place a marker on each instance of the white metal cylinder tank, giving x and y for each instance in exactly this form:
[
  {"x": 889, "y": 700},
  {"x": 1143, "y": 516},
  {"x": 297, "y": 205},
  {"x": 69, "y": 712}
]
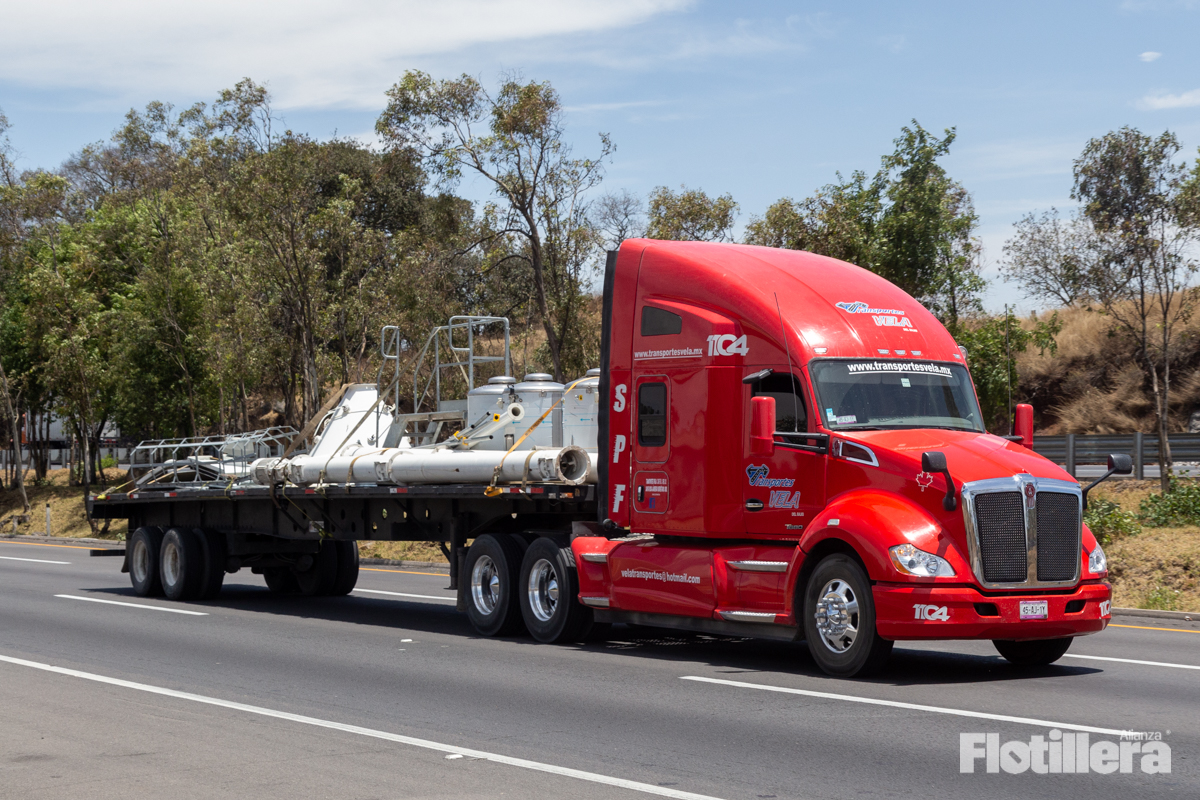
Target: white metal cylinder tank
[
  {"x": 493, "y": 397},
  {"x": 581, "y": 408},
  {"x": 537, "y": 394}
]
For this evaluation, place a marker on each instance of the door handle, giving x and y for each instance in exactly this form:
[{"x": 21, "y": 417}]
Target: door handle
[
  {"x": 641, "y": 494},
  {"x": 754, "y": 505}
]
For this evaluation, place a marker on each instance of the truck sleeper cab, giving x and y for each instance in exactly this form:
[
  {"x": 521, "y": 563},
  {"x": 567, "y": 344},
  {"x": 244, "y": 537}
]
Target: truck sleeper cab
[{"x": 764, "y": 469}]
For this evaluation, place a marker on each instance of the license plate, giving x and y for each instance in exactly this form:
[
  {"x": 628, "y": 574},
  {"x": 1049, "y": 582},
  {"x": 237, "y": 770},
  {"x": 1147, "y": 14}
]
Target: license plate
[{"x": 1035, "y": 609}]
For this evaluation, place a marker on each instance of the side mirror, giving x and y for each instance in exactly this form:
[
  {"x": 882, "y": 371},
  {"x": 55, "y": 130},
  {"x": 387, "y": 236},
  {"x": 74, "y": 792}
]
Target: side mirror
[
  {"x": 762, "y": 426},
  {"x": 935, "y": 461},
  {"x": 1118, "y": 464},
  {"x": 1023, "y": 424}
]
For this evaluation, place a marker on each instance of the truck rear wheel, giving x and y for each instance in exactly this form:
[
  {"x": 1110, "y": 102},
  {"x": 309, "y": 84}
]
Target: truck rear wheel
[
  {"x": 1037, "y": 653},
  {"x": 145, "y": 545},
  {"x": 839, "y": 619},
  {"x": 549, "y": 593},
  {"x": 215, "y": 554},
  {"x": 181, "y": 562},
  {"x": 347, "y": 568},
  {"x": 493, "y": 573},
  {"x": 321, "y": 577}
]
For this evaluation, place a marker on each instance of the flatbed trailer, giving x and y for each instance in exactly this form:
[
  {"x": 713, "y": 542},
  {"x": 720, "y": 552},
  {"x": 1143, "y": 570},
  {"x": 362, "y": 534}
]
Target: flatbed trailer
[{"x": 776, "y": 444}]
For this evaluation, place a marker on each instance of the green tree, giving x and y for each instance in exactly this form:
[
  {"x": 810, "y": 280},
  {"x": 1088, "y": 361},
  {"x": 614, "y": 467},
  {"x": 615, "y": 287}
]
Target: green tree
[
  {"x": 10, "y": 238},
  {"x": 992, "y": 343},
  {"x": 691, "y": 216},
  {"x": 515, "y": 142},
  {"x": 1135, "y": 194},
  {"x": 1052, "y": 259}
]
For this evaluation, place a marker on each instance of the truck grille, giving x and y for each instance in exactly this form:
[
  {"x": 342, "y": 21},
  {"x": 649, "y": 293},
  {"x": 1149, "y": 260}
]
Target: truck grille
[
  {"x": 1000, "y": 521},
  {"x": 1057, "y": 536}
]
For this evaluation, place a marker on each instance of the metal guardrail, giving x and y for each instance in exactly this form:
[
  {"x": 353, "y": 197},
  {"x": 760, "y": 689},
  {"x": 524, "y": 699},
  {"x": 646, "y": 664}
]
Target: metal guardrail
[{"x": 1074, "y": 449}]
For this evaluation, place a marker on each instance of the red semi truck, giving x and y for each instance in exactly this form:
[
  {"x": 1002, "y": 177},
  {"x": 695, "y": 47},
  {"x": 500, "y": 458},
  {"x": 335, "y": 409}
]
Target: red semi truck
[{"x": 789, "y": 446}]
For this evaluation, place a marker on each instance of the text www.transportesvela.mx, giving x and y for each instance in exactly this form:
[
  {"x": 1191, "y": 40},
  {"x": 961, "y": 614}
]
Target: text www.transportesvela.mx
[
  {"x": 654, "y": 575},
  {"x": 898, "y": 366}
]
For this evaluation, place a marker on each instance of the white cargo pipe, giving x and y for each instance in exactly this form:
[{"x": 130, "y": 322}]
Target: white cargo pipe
[{"x": 571, "y": 465}]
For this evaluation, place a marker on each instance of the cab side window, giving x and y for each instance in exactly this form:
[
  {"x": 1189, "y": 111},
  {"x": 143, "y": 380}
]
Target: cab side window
[
  {"x": 790, "y": 414},
  {"x": 652, "y": 414}
]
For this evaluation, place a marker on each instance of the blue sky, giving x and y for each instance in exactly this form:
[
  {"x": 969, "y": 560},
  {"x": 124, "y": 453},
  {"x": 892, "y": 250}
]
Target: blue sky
[{"x": 757, "y": 99}]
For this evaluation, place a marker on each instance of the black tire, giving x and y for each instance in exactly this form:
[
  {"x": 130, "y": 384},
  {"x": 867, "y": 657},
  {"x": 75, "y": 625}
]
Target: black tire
[
  {"x": 281, "y": 580},
  {"x": 319, "y": 579},
  {"x": 549, "y": 593},
  {"x": 491, "y": 575},
  {"x": 181, "y": 564},
  {"x": 215, "y": 554},
  {"x": 144, "y": 547},
  {"x": 347, "y": 568},
  {"x": 850, "y": 645},
  {"x": 1037, "y": 653}
]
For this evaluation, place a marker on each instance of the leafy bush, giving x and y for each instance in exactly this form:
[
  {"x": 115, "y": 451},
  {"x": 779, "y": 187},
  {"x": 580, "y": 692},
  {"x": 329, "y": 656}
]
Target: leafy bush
[
  {"x": 108, "y": 462},
  {"x": 1162, "y": 599},
  {"x": 1180, "y": 506},
  {"x": 1108, "y": 521}
]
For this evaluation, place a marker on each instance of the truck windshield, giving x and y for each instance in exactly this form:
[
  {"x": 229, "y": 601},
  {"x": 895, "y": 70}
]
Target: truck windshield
[{"x": 895, "y": 394}]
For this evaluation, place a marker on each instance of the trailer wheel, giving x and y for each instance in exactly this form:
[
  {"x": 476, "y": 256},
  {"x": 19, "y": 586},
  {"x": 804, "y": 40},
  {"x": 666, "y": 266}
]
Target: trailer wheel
[
  {"x": 549, "y": 591},
  {"x": 281, "y": 580},
  {"x": 181, "y": 563},
  {"x": 319, "y": 579},
  {"x": 839, "y": 619},
  {"x": 347, "y": 568},
  {"x": 215, "y": 553},
  {"x": 144, "y": 548},
  {"x": 493, "y": 571},
  {"x": 1037, "y": 653}
]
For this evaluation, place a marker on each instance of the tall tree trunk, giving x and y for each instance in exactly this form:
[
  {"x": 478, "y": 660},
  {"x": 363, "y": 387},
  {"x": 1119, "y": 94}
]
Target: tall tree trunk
[{"x": 12, "y": 423}]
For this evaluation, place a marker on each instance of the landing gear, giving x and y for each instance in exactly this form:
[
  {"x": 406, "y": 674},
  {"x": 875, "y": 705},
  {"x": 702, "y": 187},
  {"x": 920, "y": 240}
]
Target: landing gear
[{"x": 839, "y": 619}]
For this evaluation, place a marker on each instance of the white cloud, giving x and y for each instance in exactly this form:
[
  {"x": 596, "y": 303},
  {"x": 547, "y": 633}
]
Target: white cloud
[
  {"x": 1161, "y": 100},
  {"x": 312, "y": 53},
  {"x": 1149, "y": 56}
]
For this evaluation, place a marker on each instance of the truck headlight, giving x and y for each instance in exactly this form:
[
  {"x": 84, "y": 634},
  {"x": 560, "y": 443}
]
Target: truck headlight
[
  {"x": 1097, "y": 562},
  {"x": 911, "y": 561}
]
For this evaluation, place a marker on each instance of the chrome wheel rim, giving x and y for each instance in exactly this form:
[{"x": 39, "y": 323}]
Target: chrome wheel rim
[
  {"x": 543, "y": 590},
  {"x": 836, "y": 616},
  {"x": 140, "y": 561},
  {"x": 485, "y": 585},
  {"x": 170, "y": 563}
]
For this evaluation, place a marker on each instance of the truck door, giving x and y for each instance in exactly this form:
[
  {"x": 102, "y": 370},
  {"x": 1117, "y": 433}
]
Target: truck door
[{"x": 782, "y": 492}]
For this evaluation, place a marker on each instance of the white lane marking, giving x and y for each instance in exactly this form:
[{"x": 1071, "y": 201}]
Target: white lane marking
[
  {"x": 1041, "y": 723},
  {"x": 133, "y": 605},
  {"x": 1134, "y": 661},
  {"x": 34, "y": 560},
  {"x": 405, "y": 594},
  {"x": 537, "y": 766}
]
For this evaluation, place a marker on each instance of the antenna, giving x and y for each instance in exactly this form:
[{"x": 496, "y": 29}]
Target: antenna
[{"x": 788, "y": 348}]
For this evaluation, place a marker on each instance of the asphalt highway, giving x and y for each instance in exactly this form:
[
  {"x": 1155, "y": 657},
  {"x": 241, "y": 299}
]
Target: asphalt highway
[{"x": 389, "y": 693}]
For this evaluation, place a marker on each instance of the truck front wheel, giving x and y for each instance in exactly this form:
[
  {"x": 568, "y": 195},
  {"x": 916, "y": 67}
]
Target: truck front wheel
[
  {"x": 839, "y": 619},
  {"x": 549, "y": 592},
  {"x": 493, "y": 570},
  {"x": 1036, "y": 653}
]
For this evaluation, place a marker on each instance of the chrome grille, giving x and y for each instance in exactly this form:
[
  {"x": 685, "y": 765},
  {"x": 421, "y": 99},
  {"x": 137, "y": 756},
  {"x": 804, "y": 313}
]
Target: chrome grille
[
  {"x": 1000, "y": 517},
  {"x": 1023, "y": 531},
  {"x": 1057, "y": 536}
]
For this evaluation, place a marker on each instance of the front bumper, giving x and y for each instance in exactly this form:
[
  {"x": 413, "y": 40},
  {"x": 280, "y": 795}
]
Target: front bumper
[{"x": 907, "y": 611}]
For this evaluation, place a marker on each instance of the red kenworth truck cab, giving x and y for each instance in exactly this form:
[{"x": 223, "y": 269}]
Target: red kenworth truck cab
[
  {"x": 792, "y": 444},
  {"x": 776, "y": 444}
]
